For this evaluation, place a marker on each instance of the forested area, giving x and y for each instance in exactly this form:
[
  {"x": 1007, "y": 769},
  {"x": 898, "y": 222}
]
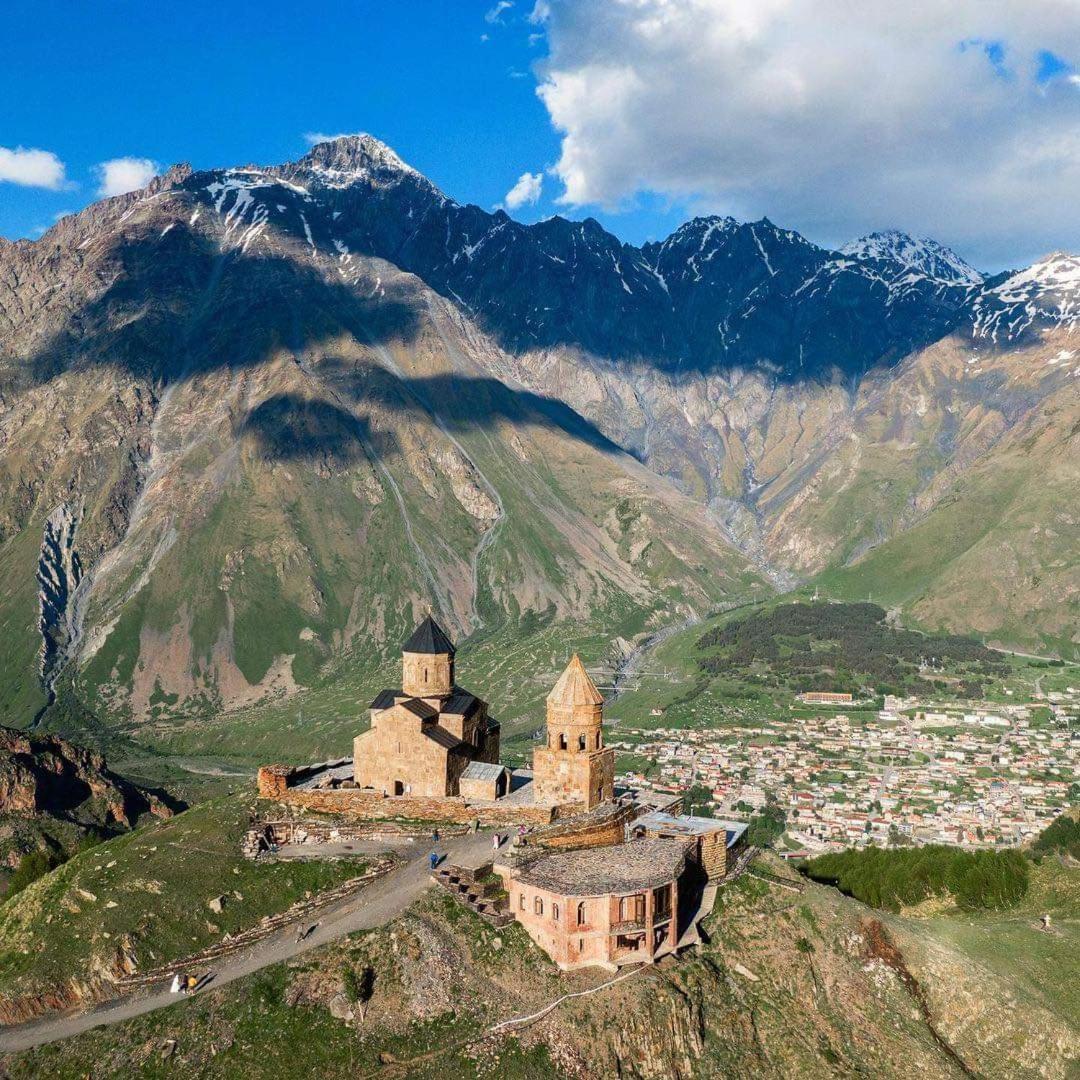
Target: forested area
[
  {"x": 892, "y": 879},
  {"x": 844, "y": 648}
]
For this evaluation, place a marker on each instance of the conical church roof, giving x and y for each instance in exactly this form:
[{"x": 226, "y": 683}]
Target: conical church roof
[
  {"x": 575, "y": 687},
  {"x": 429, "y": 637}
]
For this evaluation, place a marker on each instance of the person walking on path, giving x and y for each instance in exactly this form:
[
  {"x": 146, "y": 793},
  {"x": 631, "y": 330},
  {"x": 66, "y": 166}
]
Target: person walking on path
[
  {"x": 496, "y": 840},
  {"x": 434, "y": 860},
  {"x": 434, "y": 836}
]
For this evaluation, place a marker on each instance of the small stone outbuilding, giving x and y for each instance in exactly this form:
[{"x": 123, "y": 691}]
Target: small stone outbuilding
[
  {"x": 717, "y": 843},
  {"x": 484, "y": 782}
]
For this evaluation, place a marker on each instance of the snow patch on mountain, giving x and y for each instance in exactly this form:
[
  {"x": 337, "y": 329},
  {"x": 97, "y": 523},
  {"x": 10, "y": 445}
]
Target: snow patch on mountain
[
  {"x": 1046, "y": 294},
  {"x": 918, "y": 255}
]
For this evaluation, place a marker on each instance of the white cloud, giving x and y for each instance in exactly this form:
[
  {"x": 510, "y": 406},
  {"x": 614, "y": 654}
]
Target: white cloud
[
  {"x": 121, "y": 175},
  {"x": 32, "y": 168},
  {"x": 495, "y": 14},
  {"x": 526, "y": 190},
  {"x": 830, "y": 117}
]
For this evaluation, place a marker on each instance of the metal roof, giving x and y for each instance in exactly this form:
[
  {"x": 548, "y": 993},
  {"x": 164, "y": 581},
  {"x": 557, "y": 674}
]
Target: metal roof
[
  {"x": 384, "y": 699},
  {"x": 482, "y": 770},
  {"x": 685, "y": 825},
  {"x": 429, "y": 637},
  {"x": 461, "y": 703},
  {"x": 446, "y": 739}
]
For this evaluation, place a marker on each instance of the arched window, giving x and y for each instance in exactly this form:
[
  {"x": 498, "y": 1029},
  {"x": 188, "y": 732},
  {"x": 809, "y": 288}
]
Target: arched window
[
  {"x": 521, "y": 902},
  {"x": 562, "y": 741},
  {"x": 581, "y": 913},
  {"x": 581, "y": 742},
  {"x": 425, "y": 675},
  {"x": 555, "y": 912},
  {"x": 538, "y": 906}
]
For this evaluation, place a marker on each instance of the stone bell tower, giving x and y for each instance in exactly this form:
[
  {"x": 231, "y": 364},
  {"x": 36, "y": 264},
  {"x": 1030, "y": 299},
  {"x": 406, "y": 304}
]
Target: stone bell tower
[
  {"x": 573, "y": 768},
  {"x": 427, "y": 663}
]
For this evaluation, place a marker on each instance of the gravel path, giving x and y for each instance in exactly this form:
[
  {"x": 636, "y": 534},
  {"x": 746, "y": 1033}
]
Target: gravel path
[{"x": 371, "y": 907}]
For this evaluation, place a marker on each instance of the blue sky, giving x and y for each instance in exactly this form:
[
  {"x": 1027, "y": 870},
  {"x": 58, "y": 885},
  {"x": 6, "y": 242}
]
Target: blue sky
[
  {"x": 219, "y": 85},
  {"x": 958, "y": 121}
]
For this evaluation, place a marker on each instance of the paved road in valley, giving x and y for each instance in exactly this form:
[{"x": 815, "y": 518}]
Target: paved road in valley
[{"x": 373, "y": 906}]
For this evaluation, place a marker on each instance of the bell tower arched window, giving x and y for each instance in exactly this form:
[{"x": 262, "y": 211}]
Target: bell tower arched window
[
  {"x": 562, "y": 741},
  {"x": 581, "y": 742}
]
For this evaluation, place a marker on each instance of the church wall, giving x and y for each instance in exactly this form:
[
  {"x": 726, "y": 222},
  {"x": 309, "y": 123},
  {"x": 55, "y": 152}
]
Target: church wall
[{"x": 397, "y": 751}]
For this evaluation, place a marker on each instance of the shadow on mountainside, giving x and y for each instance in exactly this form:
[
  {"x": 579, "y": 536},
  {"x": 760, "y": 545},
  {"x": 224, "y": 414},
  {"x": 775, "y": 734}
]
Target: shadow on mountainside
[{"x": 176, "y": 307}]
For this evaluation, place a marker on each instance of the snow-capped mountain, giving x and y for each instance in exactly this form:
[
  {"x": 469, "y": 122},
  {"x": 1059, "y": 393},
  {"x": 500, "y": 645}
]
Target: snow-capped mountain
[
  {"x": 716, "y": 294},
  {"x": 1047, "y": 293},
  {"x": 322, "y": 391},
  {"x": 911, "y": 255}
]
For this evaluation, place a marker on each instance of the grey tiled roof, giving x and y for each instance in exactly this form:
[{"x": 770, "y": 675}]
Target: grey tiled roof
[{"x": 624, "y": 868}]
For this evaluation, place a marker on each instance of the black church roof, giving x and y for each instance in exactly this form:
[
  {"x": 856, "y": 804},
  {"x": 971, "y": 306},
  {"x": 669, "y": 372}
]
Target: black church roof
[{"x": 429, "y": 637}]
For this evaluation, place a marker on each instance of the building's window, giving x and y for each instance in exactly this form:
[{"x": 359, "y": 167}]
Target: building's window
[
  {"x": 555, "y": 912},
  {"x": 581, "y": 913},
  {"x": 581, "y": 742},
  {"x": 521, "y": 902},
  {"x": 425, "y": 675},
  {"x": 598, "y": 740},
  {"x": 662, "y": 902},
  {"x": 632, "y": 907},
  {"x": 538, "y": 906},
  {"x": 562, "y": 741},
  {"x": 580, "y": 944}
]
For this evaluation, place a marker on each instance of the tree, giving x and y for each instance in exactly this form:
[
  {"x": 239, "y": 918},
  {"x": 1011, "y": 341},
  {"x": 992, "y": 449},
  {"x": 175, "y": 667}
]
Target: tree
[{"x": 697, "y": 799}]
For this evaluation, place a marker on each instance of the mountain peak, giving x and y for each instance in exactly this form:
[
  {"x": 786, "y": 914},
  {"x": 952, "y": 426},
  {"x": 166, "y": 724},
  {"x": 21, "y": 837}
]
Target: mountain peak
[
  {"x": 920, "y": 255},
  {"x": 361, "y": 155}
]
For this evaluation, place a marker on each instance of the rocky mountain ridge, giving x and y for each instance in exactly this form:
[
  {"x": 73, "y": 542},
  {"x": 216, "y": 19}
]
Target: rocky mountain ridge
[
  {"x": 255, "y": 388},
  {"x": 53, "y": 792}
]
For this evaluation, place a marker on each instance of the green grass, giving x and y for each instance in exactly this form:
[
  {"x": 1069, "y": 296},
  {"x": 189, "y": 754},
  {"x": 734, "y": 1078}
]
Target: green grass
[{"x": 152, "y": 884}]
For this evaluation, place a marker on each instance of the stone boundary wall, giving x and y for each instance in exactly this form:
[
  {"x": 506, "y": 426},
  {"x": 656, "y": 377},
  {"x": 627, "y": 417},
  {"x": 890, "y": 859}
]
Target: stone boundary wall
[
  {"x": 374, "y": 806},
  {"x": 589, "y": 830},
  {"x": 319, "y": 832}
]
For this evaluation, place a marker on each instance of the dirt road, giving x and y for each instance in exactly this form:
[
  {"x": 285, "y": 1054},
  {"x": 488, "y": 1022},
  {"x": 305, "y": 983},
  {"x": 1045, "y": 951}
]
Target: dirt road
[{"x": 373, "y": 906}]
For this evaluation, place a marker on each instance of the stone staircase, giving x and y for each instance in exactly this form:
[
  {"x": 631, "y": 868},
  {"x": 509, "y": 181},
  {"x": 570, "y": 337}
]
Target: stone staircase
[{"x": 468, "y": 886}]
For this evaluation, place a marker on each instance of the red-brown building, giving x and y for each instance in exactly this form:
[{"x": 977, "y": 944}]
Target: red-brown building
[{"x": 603, "y": 906}]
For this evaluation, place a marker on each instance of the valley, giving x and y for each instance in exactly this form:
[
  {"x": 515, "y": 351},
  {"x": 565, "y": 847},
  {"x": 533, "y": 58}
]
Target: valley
[{"x": 257, "y": 422}]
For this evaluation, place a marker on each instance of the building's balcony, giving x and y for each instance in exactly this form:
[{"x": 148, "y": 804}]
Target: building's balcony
[{"x": 627, "y": 926}]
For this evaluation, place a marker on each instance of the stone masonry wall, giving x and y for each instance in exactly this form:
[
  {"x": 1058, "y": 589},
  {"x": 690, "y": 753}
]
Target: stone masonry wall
[{"x": 372, "y": 806}]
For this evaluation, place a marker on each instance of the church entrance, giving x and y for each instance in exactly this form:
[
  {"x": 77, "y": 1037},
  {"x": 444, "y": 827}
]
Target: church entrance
[{"x": 399, "y": 787}]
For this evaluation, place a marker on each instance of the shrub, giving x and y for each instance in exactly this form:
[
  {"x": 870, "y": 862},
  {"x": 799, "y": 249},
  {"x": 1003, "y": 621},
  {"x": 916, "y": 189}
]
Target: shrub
[
  {"x": 1060, "y": 837},
  {"x": 32, "y": 865},
  {"x": 891, "y": 879}
]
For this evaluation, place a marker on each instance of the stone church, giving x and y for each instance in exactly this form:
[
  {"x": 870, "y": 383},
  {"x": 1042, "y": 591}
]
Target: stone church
[{"x": 424, "y": 736}]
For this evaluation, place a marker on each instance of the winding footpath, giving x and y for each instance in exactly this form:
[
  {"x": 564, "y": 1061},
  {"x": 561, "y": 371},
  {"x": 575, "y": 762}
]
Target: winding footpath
[{"x": 374, "y": 906}]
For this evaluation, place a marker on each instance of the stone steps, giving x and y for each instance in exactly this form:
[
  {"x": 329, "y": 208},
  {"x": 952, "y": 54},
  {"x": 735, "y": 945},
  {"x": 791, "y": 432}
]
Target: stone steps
[{"x": 479, "y": 896}]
